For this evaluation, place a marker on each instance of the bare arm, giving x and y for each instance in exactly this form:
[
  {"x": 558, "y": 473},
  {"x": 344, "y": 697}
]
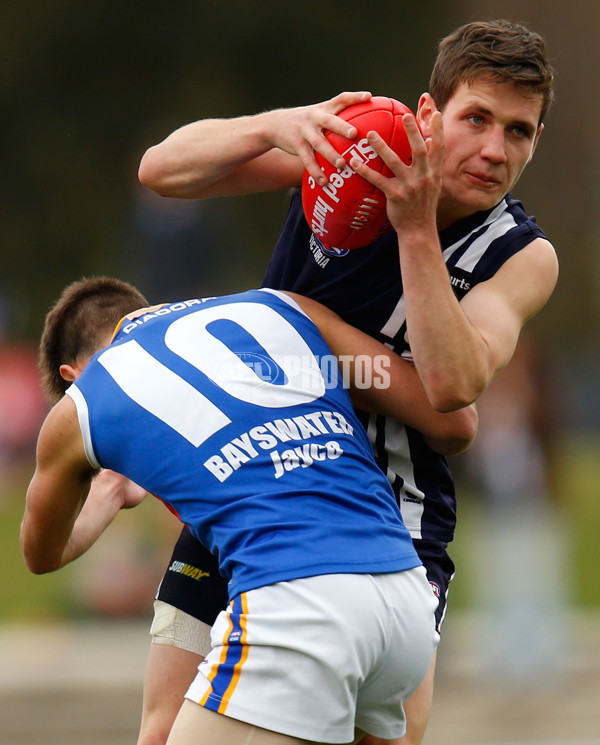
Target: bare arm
[
  {"x": 248, "y": 154},
  {"x": 457, "y": 347},
  {"x": 68, "y": 505},
  {"x": 109, "y": 493},
  {"x": 396, "y": 389},
  {"x": 57, "y": 490}
]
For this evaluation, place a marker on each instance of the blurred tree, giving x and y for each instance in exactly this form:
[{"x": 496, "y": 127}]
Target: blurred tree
[
  {"x": 86, "y": 87},
  {"x": 561, "y": 188}
]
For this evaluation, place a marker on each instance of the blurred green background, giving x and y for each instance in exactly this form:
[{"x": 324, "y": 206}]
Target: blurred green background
[{"x": 87, "y": 86}]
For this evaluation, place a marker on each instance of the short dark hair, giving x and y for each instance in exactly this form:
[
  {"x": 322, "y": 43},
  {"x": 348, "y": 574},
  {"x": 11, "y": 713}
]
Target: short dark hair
[
  {"x": 85, "y": 313},
  {"x": 499, "y": 51}
]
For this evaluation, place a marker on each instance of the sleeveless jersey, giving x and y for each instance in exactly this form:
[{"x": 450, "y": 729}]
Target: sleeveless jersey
[
  {"x": 364, "y": 287},
  {"x": 230, "y": 411}
]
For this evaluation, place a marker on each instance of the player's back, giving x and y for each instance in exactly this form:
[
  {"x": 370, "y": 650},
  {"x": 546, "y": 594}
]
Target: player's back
[{"x": 224, "y": 409}]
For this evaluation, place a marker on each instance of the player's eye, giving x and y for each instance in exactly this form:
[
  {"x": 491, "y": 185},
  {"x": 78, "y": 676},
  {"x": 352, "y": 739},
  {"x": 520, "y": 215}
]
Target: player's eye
[
  {"x": 476, "y": 119},
  {"x": 522, "y": 132}
]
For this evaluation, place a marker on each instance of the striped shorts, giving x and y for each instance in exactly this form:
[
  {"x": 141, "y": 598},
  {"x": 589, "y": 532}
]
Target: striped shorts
[{"x": 319, "y": 657}]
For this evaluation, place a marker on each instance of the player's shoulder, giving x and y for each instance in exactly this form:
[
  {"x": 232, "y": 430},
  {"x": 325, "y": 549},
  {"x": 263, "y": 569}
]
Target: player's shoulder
[
  {"x": 517, "y": 212},
  {"x": 541, "y": 259},
  {"x": 531, "y": 273},
  {"x": 511, "y": 238},
  {"x": 63, "y": 413},
  {"x": 60, "y": 431},
  {"x": 315, "y": 310}
]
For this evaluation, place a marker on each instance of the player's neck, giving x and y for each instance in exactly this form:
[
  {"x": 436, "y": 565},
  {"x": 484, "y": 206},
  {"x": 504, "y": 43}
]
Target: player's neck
[{"x": 450, "y": 214}]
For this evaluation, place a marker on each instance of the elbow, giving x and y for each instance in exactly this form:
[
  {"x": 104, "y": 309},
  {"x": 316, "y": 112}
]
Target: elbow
[
  {"x": 446, "y": 402},
  {"x": 161, "y": 173},
  {"x": 36, "y": 560},
  {"x": 447, "y": 394},
  {"x": 465, "y": 429},
  {"x": 36, "y": 569},
  {"x": 37, "y": 564},
  {"x": 155, "y": 173},
  {"x": 458, "y": 434},
  {"x": 149, "y": 172}
]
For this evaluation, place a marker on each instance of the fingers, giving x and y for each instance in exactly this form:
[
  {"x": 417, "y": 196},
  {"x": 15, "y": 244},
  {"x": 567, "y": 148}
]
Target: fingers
[
  {"x": 133, "y": 495},
  {"x": 415, "y": 139},
  {"x": 109, "y": 482},
  {"x": 324, "y": 119},
  {"x": 318, "y": 142},
  {"x": 437, "y": 147},
  {"x": 368, "y": 173},
  {"x": 337, "y": 104},
  {"x": 427, "y": 155},
  {"x": 348, "y": 98},
  {"x": 390, "y": 158},
  {"x": 306, "y": 153}
]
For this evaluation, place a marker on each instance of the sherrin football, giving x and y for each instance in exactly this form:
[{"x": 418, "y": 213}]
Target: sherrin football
[{"x": 348, "y": 212}]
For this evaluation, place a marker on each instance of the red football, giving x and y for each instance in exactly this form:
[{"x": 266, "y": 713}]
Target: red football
[{"x": 348, "y": 212}]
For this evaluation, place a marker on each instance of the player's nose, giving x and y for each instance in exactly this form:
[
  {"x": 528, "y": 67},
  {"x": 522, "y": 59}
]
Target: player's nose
[{"x": 493, "y": 147}]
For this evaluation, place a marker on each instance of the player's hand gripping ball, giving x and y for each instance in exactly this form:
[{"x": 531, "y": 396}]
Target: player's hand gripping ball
[{"x": 348, "y": 212}]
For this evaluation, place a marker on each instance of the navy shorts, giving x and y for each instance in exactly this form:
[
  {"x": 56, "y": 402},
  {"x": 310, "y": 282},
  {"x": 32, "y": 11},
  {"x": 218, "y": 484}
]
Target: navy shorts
[
  {"x": 440, "y": 571},
  {"x": 193, "y": 583}
]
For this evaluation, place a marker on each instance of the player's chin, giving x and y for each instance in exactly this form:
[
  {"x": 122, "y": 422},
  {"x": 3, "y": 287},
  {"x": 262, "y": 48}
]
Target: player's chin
[{"x": 481, "y": 199}]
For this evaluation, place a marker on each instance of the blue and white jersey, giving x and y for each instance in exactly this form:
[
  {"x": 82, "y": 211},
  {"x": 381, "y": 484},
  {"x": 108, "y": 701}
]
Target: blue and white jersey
[
  {"x": 231, "y": 411},
  {"x": 364, "y": 287}
]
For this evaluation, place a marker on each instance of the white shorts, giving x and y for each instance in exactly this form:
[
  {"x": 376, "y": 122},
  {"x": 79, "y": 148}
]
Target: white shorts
[{"x": 317, "y": 658}]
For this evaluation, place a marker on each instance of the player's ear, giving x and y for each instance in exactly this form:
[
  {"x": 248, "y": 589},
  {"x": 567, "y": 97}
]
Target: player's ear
[
  {"x": 69, "y": 372},
  {"x": 425, "y": 110}
]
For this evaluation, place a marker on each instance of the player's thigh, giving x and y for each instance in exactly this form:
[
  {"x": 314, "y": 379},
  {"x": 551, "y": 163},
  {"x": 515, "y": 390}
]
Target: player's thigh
[
  {"x": 200, "y": 726},
  {"x": 173, "y": 627},
  {"x": 169, "y": 672},
  {"x": 418, "y": 709}
]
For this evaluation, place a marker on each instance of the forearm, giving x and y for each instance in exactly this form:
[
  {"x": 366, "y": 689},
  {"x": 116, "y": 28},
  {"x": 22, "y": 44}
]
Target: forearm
[
  {"x": 46, "y": 531},
  {"x": 211, "y": 157},
  {"x": 96, "y": 515},
  {"x": 450, "y": 354},
  {"x": 461, "y": 430},
  {"x": 109, "y": 493},
  {"x": 405, "y": 399},
  {"x": 248, "y": 154},
  {"x": 395, "y": 388},
  {"x": 61, "y": 523},
  {"x": 448, "y": 351}
]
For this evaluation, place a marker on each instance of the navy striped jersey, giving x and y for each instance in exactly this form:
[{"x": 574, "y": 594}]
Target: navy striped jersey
[
  {"x": 364, "y": 287},
  {"x": 231, "y": 411}
]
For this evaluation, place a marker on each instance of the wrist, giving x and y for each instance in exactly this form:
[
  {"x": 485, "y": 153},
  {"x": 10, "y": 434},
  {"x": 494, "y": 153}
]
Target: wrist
[
  {"x": 263, "y": 129},
  {"x": 419, "y": 238}
]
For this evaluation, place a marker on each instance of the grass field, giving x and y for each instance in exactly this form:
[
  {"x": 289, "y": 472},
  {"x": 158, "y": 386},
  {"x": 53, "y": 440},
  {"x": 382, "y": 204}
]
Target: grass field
[
  {"x": 576, "y": 495},
  {"x": 152, "y": 529},
  {"x": 135, "y": 548},
  {"x": 69, "y": 678}
]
